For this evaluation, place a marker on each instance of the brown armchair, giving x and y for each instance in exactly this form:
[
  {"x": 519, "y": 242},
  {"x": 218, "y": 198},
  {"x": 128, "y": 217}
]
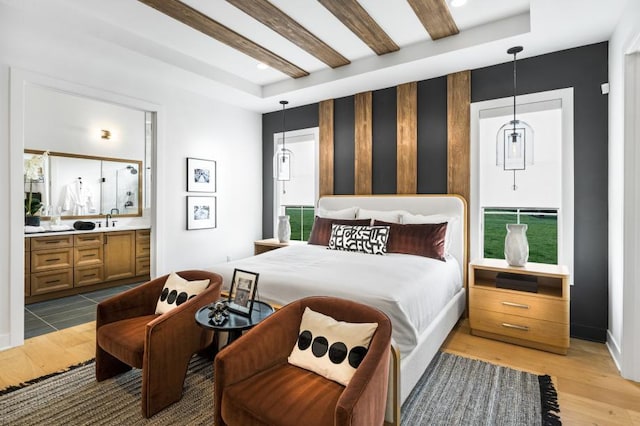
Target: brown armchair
[
  {"x": 255, "y": 385},
  {"x": 130, "y": 334}
]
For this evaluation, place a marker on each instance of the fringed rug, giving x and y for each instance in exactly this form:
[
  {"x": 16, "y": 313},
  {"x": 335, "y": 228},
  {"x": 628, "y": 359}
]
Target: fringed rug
[{"x": 453, "y": 391}]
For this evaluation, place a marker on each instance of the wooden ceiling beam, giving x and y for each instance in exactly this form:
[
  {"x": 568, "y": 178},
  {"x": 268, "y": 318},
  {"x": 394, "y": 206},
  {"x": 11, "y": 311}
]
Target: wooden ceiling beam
[
  {"x": 201, "y": 22},
  {"x": 436, "y": 17},
  {"x": 269, "y": 15},
  {"x": 354, "y": 17}
]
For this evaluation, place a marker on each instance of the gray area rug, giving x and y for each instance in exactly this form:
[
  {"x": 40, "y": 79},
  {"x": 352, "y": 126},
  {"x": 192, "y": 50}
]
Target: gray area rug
[{"x": 453, "y": 391}]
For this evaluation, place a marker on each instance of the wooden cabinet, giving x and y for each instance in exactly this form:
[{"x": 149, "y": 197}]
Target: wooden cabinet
[
  {"x": 88, "y": 254},
  {"x": 61, "y": 265},
  {"x": 143, "y": 252},
  {"x": 51, "y": 264},
  {"x": 262, "y": 246},
  {"x": 539, "y": 320},
  {"x": 119, "y": 255}
]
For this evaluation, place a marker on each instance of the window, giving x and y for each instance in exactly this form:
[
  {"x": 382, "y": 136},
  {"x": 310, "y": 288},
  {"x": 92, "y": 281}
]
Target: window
[
  {"x": 297, "y": 196},
  {"x": 543, "y": 198}
]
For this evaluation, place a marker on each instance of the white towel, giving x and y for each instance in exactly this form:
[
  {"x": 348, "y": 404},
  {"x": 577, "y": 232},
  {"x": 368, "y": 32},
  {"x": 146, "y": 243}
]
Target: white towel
[
  {"x": 61, "y": 228},
  {"x": 31, "y": 229}
]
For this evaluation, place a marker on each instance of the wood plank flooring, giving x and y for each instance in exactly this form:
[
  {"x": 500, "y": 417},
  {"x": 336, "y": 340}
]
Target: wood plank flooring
[{"x": 589, "y": 386}]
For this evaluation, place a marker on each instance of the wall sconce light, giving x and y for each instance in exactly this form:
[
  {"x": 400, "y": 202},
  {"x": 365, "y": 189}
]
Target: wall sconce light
[{"x": 105, "y": 134}]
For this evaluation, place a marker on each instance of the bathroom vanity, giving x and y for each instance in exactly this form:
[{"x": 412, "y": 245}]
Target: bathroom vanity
[{"x": 60, "y": 264}]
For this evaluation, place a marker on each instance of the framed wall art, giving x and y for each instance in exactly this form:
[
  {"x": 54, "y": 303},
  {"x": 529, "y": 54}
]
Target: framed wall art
[
  {"x": 201, "y": 175},
  {"x": 201, "y": 212}
]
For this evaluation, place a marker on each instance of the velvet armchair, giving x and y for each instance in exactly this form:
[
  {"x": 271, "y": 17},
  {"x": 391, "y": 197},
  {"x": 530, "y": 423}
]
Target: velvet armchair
[
  {"x": 255, "y": 385},
  {"x": 130, "y": 334}
]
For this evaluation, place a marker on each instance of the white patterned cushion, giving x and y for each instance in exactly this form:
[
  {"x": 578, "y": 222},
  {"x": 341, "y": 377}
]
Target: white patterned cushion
[
  {"x": 330, "y": 348},
  {"x": 365, "y": 239},
  {"x": 177, "y": 290}
]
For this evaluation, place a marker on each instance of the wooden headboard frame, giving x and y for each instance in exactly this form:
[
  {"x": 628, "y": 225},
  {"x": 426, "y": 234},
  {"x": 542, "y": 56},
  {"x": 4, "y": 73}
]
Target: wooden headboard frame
[{"x": 450, "y": 205}]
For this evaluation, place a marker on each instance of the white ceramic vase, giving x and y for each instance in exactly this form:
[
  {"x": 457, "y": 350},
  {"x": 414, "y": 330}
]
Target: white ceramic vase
[
  {"x": 284, "y": 229},
  {"x": 516, "y": 246}
]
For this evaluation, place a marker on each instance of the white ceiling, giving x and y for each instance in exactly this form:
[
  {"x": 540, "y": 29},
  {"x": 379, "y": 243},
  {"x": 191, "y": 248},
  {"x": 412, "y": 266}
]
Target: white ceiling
[{"x": 487, "y": 29}]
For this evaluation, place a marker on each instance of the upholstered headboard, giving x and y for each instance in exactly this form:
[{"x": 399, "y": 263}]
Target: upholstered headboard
[{"x": 449, "y": 205}]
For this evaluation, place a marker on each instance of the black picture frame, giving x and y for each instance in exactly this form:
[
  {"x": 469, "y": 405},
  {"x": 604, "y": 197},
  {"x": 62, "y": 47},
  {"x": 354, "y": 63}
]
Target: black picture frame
[
  {"x": 201, "y": 175},
  {"x": 242, "y": 293}
]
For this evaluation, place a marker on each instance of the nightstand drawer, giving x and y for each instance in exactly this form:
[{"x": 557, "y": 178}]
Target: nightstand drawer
[
  {"x": 535, "y": 330},
  {"x": 519, "y": 303}
]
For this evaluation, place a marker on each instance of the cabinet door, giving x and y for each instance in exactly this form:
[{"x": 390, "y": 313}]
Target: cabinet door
[{"x": 119, "y": 255}]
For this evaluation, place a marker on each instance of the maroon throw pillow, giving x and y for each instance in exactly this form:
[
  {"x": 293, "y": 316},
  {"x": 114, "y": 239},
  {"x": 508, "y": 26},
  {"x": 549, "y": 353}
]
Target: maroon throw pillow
[
  {"x": 321, "y": 231},
  {"x": 425, "y": 239}
]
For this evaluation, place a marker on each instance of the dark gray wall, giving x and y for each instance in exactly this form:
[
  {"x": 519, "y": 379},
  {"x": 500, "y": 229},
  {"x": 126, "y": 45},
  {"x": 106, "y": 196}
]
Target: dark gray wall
[{"x": 583, "y": 68}]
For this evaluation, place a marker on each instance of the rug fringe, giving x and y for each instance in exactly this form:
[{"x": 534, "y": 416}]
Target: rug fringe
[
  {"x": 21, "y": 385},
  {"x": 549, "y": 402}
]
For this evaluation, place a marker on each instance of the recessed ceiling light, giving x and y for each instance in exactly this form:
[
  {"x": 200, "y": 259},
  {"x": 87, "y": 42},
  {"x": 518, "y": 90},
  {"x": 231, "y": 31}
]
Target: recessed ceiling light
[
  {"x": 262, "y": 66},
  {"x": 458, "y": 3}
]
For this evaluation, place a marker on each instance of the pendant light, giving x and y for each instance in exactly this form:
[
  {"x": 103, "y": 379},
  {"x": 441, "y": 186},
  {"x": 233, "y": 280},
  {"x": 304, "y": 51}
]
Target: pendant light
[
  {"x": 514, "y": 141},
  {"x": 282, "y": 156}
]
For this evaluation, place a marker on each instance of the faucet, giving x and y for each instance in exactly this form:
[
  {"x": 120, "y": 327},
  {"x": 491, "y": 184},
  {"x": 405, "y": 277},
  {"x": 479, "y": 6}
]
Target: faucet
[
  {"x": 116, "y": 210},
  {"x": 106, "y": 225}
]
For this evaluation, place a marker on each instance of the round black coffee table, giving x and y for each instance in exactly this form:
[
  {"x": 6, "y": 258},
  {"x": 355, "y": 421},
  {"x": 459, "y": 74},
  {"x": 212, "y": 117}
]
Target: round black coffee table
[{"x": 235, "y": 323}]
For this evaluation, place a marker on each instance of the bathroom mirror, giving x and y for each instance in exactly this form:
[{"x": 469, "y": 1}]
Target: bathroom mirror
[{"x": 80, "y": 186}]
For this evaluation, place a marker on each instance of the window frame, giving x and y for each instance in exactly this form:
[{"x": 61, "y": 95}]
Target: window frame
[{"x": 566, "y": 209}]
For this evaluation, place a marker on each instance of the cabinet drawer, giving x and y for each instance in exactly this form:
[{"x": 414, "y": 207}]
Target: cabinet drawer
[
  {"x": 45, "y": 260},
  {"x": 143, "y": 265},
  {"x": 47, "y": 282},
  {"x": 143, "y": 234},
  {"x": 535, "y": 330},
  {"x": 93, "y": 239},
  {"x": 86, "y": 256},
  {"x": 27, "y": 262},
  {"x": 143, "y": 248},
  {"x": 38, "y": 243},
  {"x": 27, "y": 284},
  {"x": 88, "y": 275},
  {"x": 522, "y": 304}
]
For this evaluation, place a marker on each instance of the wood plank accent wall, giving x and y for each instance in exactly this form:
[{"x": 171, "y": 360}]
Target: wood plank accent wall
[
  {"x": 407, "y": 138},
  {"x": 363, "y": 144},
  {"x": 326, "y": 147},
  {"x": 459, "y": 136}
]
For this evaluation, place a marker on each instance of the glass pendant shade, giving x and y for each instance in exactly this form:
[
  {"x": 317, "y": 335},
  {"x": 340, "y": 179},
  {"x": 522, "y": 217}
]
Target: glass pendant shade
[
  {"x": 514, "y": 145},
  {"x": 282, "y": 156}
]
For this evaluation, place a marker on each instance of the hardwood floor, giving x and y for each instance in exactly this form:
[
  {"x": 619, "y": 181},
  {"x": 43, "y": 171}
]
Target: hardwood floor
[{"x": 590, "y": 389}]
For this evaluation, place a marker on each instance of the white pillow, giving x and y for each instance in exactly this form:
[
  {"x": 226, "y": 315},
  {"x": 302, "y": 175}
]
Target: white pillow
[
  {"x": 408, "y": 218},
  {"x": 330, "y": 348},
  {"x": 392, "y": 216},
  {"x": 177, "y": 290},
  {"x": 348, "y": 213},
  {"x": 363, "y": 239}
]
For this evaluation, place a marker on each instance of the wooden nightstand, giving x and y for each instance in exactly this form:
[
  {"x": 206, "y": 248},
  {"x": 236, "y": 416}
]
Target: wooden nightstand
[
  {"x": 262, "y": 246},
  {"x": 538, "y": 320}
]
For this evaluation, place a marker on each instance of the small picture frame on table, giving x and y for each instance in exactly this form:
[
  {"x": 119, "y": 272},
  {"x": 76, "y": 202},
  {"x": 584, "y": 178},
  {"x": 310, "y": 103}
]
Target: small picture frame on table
[
  {"x": 201, "y": 175},
  {"x": 242, "y": 293},
  {"x": 201, "y": 212}
]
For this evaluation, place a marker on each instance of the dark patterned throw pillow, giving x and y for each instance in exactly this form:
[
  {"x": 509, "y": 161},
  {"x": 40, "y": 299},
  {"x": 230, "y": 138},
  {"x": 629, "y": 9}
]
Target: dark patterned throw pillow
[{"x": 364, "y": 239}]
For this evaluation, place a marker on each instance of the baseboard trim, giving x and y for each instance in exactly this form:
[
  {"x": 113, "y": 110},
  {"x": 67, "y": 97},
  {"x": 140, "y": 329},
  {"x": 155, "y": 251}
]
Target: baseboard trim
[{"x": 614, "y": 349}]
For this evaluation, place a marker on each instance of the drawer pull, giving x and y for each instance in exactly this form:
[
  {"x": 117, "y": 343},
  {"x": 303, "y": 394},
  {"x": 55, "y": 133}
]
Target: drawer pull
[
  {"x": 89, "y": 255},
  {"x": 517, "y": 327},
  {"x": 53, "y": 242},
  {"x": 52, "y": 282},
  {"x": 88, "y": 275},
  {"x": 52, "y": 260},
  {"x": 516, "y": 305}
]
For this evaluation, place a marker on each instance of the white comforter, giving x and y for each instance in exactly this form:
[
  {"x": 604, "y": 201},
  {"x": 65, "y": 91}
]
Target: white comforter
[{"x": 411, "y": 290}]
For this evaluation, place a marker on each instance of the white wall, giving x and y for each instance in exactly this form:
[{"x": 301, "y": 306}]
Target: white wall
[
  {"x": 188, "y": 125},
  {"x": 623, "y": 336}
]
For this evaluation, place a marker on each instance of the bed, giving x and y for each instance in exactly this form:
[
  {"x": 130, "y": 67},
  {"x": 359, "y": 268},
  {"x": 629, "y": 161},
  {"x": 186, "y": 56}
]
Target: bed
[{"x": 423, "y": 297}]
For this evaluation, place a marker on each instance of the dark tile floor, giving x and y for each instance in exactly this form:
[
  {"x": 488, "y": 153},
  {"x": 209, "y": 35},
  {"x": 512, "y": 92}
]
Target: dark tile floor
[{"x": 51, "y": 315}]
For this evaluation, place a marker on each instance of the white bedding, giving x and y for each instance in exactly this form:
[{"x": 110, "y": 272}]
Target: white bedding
[{"x": 411, "y": 290}]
